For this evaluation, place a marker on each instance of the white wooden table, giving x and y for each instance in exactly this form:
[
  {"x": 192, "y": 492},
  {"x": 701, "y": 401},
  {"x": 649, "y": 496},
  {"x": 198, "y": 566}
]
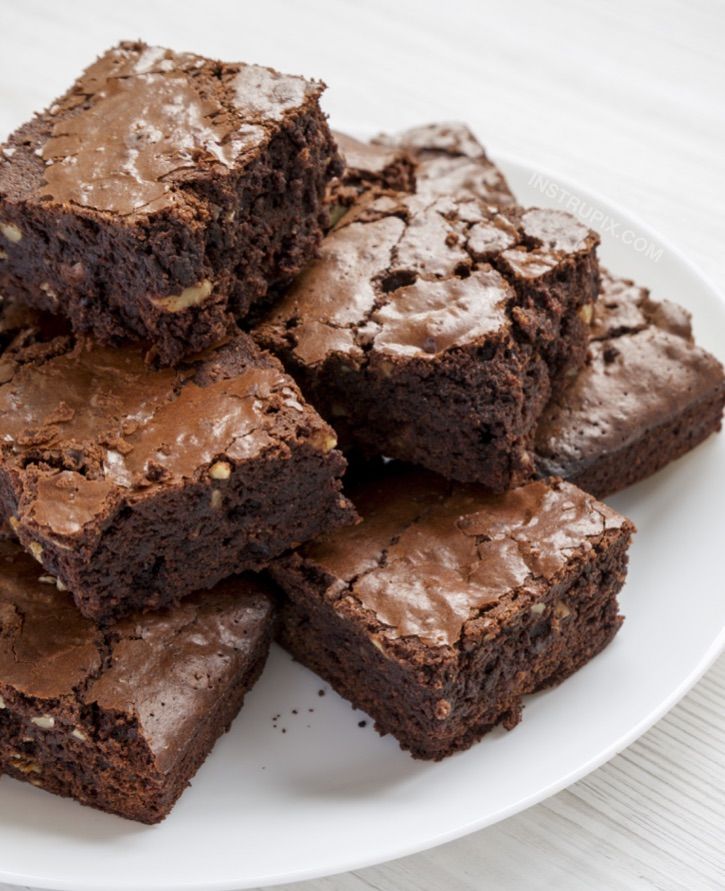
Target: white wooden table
[{"x": 624, "y": 97}]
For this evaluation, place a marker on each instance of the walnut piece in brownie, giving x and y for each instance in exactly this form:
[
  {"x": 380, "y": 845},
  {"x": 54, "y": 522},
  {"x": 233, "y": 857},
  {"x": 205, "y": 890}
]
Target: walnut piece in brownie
[
  {"x": 134, "y": 486},
  {"x": 646, "y": 396},
  {"x": 163, "y": 195},
  {"x": 447, "y": 604},
  {"x": 432, "y": 331},
  {"x": 449, "y": 160},
  {"x": 121, "y": 719}
]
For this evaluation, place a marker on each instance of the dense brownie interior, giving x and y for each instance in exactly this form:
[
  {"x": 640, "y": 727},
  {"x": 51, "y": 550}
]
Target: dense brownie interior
[{"x": 367, "y": 167}]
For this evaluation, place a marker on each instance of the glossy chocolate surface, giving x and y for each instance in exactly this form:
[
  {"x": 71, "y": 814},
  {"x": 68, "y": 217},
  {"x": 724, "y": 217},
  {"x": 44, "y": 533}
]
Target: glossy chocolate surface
[
  {"x": 142, "y": 118},
  {"x": 163, "y": 671},
  {"x": 449, "y": 160},
  {"x": 643, "y": 369},
  {"x": 90, "y": 427},
  {"x": 429, "y": 556},
  {"x": 400, "y": 275}
]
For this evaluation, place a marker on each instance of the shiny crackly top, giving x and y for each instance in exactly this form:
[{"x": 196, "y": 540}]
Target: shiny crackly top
[
  {"x": 404, "y": 277},
  {"x": 165, "y": 669},
  {"x": 365, "y": 159},
  {"x": 429, "y": 556},
  {"x": 141, "y": 119},
  {"x": 368, "y": 169},
  {"x": 449, "y": 160},
  {"x": 643, "y": 368},
  {"x": 84, "y": 429}
]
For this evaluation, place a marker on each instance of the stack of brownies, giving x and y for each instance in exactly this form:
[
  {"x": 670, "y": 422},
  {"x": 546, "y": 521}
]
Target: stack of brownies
[{"x": 203, "y": 309}]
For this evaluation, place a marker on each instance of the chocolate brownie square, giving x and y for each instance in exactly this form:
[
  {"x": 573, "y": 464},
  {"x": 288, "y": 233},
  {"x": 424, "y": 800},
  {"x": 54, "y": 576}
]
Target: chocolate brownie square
[
  {"x": 646, "y": 396},
  {"x": 134, "y": 486},
  {"x": 449, "y": 160},
  {"x": 434, "y": 331},
  {"x": 120, "y": 719},
  {"x": 447, "y": 604},
  {"x": 163, "y": 195}
]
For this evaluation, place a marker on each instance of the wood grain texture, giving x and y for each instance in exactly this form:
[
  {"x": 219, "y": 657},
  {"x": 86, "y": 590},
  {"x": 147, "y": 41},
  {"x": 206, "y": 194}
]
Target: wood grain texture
[{"x": 623, "y": 97}]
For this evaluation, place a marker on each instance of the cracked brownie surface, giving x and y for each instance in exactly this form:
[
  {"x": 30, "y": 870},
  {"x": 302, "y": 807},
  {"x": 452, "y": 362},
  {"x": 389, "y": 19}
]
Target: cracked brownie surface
[
  {"x": 135, "y": 485},
  {"x": 367, "y": 167},
  {"x": 646, "y": 395},
  {"x": 434, "y": 330},
  {"x": 163, "y": 195},
  {"x": 451, "y": 603},
  {"x": 121, "y": 718},
  {"x": 449, "y": 160}
]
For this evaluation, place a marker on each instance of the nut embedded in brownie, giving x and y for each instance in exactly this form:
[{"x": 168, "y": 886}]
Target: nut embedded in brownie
[
  {"x": 646, "y": 396},
  {"x": 433, "y": 332},
  {"x": 134, "y": 486},
  {"x": 446, "y": 604},
  {"x": 163, "y": 195}
]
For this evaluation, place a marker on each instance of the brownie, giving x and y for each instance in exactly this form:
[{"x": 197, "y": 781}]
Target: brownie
[
  {"x": 120, "y": 719},
  {"x": 449, "y": 160},
  {"x": 646, "y": 396},
  {"x": 163, "y": 194},
  {"x": 433, "y": 331},
  {"x": 367, "y": 167},
  {"x": 134, "y": 485},
  {"x": 447, "y": 603}
]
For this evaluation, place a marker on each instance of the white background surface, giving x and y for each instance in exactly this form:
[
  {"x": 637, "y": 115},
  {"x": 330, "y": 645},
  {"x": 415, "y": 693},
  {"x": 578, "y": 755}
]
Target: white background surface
[{"x": 626, "y": 98}]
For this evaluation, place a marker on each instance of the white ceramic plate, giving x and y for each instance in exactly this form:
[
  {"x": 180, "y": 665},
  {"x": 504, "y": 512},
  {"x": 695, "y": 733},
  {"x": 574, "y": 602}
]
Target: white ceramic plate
[{"x": 329, "y": 795}]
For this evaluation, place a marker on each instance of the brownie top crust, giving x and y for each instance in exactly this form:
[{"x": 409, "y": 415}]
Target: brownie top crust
[
  {"x": 368, "y": 169},
  {"x": 86, "y": 427},
  {"x": 449, "y": 160},
  {"x": 366, "y": 159},
  {"x": 163, "y": 669},
  {"x": 404, "y": 276},
  {"x": 142, "y": 120},
  {"x": 643, "y": 367},
  {"x": 625, "y": 308},
  {"x": 429, "y": 557}
]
